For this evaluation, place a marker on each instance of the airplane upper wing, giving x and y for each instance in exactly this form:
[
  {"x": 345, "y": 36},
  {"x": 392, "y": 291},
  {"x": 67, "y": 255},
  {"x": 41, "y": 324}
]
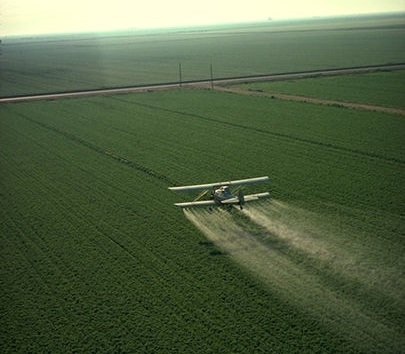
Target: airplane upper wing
[{"x": 198, "y": 187}]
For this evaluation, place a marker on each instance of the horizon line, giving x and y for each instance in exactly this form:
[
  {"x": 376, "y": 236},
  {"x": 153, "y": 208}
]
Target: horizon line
[{"x": 190, "y": 26}]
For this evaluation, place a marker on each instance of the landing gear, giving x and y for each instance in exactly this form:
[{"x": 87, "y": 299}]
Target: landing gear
[{"x": 241, "y": 197}]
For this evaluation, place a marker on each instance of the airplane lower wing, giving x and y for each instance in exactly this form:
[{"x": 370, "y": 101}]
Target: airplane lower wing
[
  {"x": 208, "y": 203},
  {"x": 201, "y": 203},
  {"x": 257, "y": 196},
  {"x": 247, "y": 198}
]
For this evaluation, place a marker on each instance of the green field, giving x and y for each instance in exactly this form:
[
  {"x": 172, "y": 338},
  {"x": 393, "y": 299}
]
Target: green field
[
  {"x": 77, "y": 62},
  {"x": 379, "y": 88},
  {"x": 95, "y": 258}
]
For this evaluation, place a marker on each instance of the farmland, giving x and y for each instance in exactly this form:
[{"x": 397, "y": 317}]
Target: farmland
[
  {"x": 77, "y": 62},
  {"x": 382, "y": 88},
  {"x": 95, "y": 257}
]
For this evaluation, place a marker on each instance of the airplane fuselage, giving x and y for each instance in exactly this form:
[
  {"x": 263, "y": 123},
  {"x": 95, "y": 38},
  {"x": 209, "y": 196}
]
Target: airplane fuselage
[{"x": 222, "y": 193}]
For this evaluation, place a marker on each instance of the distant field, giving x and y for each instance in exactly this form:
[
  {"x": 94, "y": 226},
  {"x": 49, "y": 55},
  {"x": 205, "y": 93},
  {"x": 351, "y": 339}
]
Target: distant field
[
  {"x": 382, "y": 88},
  {"x": 96, "y": 258},
  {"x": 77, "y": 62}
]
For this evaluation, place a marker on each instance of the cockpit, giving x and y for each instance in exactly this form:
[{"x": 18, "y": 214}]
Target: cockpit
[{"x": 223, "y": 192}]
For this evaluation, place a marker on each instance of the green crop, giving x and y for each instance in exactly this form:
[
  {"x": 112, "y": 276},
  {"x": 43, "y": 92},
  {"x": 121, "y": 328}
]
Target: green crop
[
  {"x": 382, "y": 88},
  {"x": 96, "y": 258}
]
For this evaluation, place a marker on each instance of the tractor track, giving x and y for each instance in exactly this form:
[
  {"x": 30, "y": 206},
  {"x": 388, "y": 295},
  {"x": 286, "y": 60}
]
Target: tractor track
[{"x": 136, "y": 166}]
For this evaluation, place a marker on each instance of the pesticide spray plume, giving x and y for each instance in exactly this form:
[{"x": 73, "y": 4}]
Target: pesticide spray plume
[
  {"x": 287, "y": 248},
  {"x": 257, "y": 241},
  {"x": 276, "y": 218}
]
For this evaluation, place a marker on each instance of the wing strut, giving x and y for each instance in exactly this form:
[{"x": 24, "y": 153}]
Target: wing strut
[{"x": 201, "y": 195}]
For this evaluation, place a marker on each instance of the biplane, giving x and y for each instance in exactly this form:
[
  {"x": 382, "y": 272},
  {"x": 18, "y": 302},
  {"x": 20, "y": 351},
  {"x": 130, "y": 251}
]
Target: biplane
[{"x": 220, "y": 193}]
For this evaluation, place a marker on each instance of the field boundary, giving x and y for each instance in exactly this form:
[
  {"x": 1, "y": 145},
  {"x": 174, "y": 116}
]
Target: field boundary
[
  {"x": 206, "y": 82},
  {"x": 299, "y": 98}
]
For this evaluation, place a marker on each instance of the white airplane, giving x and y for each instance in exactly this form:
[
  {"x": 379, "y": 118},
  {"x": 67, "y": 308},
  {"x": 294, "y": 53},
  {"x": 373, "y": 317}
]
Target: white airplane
[{"x": 220, "y": 193}]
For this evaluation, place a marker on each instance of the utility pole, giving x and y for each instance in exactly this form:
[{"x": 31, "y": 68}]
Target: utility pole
[
  {"x": 180, "y": 76},
  {"x": 212, "y": 77}
]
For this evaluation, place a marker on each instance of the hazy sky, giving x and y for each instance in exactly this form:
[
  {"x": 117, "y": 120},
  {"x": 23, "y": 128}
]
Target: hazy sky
[{"x": 52, "y": 16}]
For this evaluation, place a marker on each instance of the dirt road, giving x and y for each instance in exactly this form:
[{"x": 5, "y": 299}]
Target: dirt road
[{"x": 209, "y": 83}]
